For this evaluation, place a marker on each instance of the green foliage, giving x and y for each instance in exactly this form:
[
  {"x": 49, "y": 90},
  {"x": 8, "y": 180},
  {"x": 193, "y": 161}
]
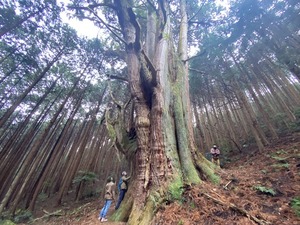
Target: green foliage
[
  {"x": 42, "y": 197},
  {"x": 281, "y": 165},
  {"x": 265, "y": 190},
  {"x": 281, "y": 123},
  {"x": 180, "y": 222},
  {"x": 6, "y": 222},
  {"x": 192, "y": 205},
  {"x": 281, "y": 151},
  {"x": 295, "y": 203},
  {"x": 90, "y": 194},
  {"x": 295, "y": 126},
  {"x": 175, "y": 191},
  {"x": 23, "y": 216},
  {"x": 86, "y": 176},
  {"x": 281, "y": 159}
]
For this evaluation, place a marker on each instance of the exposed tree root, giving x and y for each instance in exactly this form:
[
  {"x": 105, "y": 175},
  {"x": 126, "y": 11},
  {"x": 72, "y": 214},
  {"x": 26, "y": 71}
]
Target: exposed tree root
[
  {"x": 240, "y": 210},
  {"x": 75, "y": 211}
]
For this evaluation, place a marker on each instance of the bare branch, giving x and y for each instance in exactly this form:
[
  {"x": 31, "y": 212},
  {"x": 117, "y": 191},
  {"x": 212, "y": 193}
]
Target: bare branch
[
  {"x": 197, "y": 71},
  {"x": 195, "y": 56},
  {"x": 109, "y": 27},
  {"x": 117, "y": 78}
]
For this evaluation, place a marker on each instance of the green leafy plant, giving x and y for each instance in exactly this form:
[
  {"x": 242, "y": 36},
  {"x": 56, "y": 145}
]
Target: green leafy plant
[
  {"x": 23, "y": 216},
  {"x": 265, "y": 190},
  {"x": 296, "y": 125},
  {"x": 42, "y": 196},
  {"x": 295, "y": 203},
  {"x": 193, "y": 205},
  {"x": 175, "y": 191},
  {"x": 281, "y": 159},
  {"x": 85, "y": 176},
  {"x": 6, "y": 222},
  {"x": 180, "y": 222},
  {"x": 282, "y": 165}
]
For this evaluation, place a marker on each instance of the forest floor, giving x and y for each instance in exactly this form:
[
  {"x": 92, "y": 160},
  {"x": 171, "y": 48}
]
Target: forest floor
[{"x": 256, "y": 188}]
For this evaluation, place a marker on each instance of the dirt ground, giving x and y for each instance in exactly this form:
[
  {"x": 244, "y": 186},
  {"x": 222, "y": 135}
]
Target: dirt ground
[{"x": 257, "y": 188}]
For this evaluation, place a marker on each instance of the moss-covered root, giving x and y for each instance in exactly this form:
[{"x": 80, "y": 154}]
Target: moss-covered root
[
  {"x": 145, "y": 215},
  {"x": 142, "y": 216},
  {"x": 122, "y": 214},
  {"x": 207, "y": 169}
]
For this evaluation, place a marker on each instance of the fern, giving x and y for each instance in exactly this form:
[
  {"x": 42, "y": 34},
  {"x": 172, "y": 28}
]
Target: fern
[
  {"x": 265, "y": 190},
  {"x": 295, "y": 203}
]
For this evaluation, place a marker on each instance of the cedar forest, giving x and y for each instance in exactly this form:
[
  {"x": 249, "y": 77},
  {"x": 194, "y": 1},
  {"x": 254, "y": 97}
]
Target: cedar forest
[{"x": 162, "y": 83}]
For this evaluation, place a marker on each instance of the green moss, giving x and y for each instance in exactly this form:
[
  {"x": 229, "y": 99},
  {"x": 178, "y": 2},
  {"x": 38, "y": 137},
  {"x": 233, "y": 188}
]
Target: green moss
[
  {"x": 111, "y": 131},
  {"x": 208, "y": 169},
  {"x": 156, "y": 198},
  {"x": 166, "y": 36},
  {"x": 175, "y": 190},
  {"x": 212, "y": 176},
  {"x": 122, "y": 214}
]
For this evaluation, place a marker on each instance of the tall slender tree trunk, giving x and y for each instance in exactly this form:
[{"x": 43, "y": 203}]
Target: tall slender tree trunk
[{"x": 8, "y": 113}]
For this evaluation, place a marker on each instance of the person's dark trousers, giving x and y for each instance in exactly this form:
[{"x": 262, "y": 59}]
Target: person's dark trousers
[{"x": 120, "y": 199}]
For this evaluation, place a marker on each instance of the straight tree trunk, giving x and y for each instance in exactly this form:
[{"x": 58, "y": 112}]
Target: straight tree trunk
[{"x": 9, "y": 112}]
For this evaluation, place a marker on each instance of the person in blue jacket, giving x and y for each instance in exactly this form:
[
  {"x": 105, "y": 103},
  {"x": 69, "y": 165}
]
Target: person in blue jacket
[{"x": 122, "y": 187}]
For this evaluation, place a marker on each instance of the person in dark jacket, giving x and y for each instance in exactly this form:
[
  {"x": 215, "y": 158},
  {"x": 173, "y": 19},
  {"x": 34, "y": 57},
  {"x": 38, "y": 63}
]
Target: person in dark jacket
[
  {"x": 122, "y": 188},
  {"x": 215, "y": 153},
  {"x": 110, "y": 190}
]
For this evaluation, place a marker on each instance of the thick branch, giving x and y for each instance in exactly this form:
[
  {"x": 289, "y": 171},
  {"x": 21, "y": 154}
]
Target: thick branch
[
  {"x": 195, "y": 56},
  {"x": 92, "y": 6},
  {"x": 117, "y": 78},
  {"x": 151, "y": 67}
]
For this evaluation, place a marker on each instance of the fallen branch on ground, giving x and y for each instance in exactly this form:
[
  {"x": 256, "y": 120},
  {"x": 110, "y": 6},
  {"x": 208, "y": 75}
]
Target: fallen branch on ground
[
  {"x": 234, "y": 207},
  {"x": 79, "y": 208},
  {"x": 225, "y": 187},
  {"x": 48, "y": 214}
]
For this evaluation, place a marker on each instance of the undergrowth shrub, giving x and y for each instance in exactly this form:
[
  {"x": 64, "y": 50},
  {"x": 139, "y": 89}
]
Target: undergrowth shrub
[
  {"x": 295, "y": 203},
  {"x": 265, "y": 190},
  {"x": 295, "y": 126},
  {"x": 22, "y": 216}
]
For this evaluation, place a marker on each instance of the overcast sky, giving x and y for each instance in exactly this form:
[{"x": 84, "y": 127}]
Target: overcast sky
[{"x": 84, "y": 28}]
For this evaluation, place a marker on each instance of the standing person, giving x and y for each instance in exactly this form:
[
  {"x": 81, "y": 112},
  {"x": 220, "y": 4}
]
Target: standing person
[
  {"x": 122, "y": 186},
  {"x": 109, "y": 196},
  {"x": 215, "y": 153}
]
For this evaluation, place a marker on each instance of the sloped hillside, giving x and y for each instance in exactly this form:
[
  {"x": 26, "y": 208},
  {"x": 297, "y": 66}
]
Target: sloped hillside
[{"x": 257, "y": 188}]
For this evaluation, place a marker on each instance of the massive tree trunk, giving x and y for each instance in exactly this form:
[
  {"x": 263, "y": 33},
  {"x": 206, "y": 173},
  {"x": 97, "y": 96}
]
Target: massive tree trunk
[{"x": 165, "y": 158}]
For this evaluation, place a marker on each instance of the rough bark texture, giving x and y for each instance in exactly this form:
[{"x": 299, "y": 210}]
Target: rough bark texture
[{"x": 165, "y": 157}]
